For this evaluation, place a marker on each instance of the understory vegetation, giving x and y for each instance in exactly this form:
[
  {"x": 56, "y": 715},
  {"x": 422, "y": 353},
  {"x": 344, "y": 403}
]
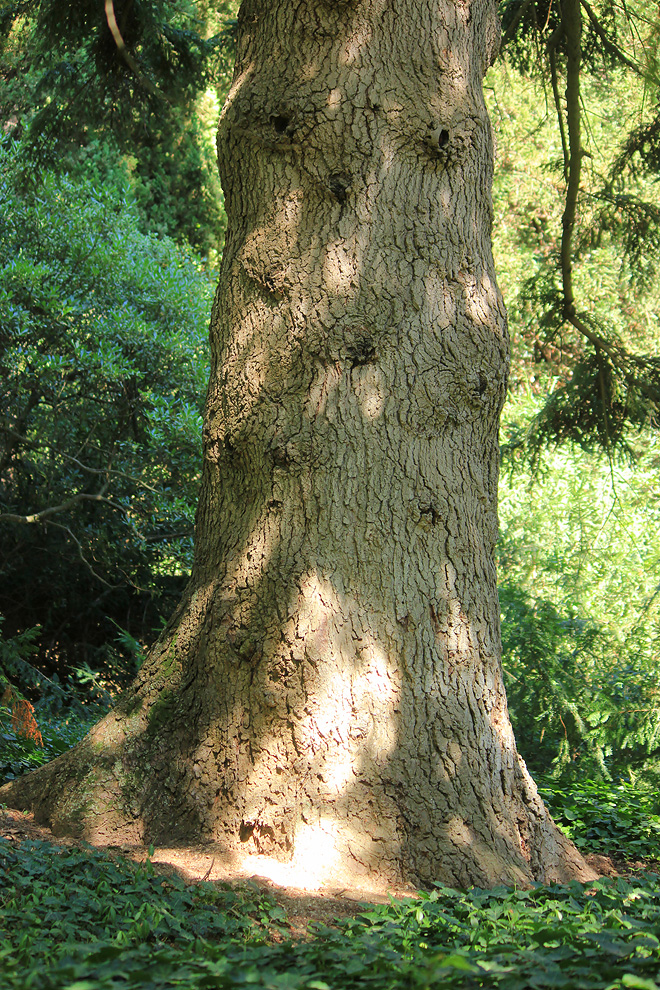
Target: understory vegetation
[
  {"x": 73, "y": 919},
  {"x": 112, "y": 226}
]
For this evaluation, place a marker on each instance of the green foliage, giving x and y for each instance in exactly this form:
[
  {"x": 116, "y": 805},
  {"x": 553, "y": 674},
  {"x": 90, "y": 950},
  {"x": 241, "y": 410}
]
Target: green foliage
[
  {"x": 79, "y": 94},
  {"x": 546, "y": 654},
  {"x": 621, "y": 818},
  {"x": 579, "y": 578},
  {"x": 65, "y": 712},
  {"x": 19, "y": 755},
  {"x": 103, "y": 368},
  {"x": 77, "y": 920},
  {"x": 594, "y": 359},
  {"x": 15, "y": 655}
]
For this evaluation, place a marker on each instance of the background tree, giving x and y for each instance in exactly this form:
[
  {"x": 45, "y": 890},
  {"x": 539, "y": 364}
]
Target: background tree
[
  {"x": 104, "y": 321},
  {"x": 578, "y": 560},
  {"x": 609, "y": 380},
  {"x": 92, "y": 83},
  {"x": 102, "y": 365}
]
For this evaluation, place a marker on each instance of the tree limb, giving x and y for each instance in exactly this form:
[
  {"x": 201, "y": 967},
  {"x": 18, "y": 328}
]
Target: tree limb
[
  {"x": 551, "y": 46},
  {"x": 110, "y": 587},
  {"x": 610, "y": 45},
  {"x": 124, "y": 52},
  {"x": 38, "y": 517},
  {"x": 572, "y": 29},
  {"x": 104, "y": 472}
]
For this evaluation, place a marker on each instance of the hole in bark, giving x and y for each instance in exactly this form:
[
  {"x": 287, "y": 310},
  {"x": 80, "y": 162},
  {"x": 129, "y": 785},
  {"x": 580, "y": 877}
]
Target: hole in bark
[
  {"x": 281, "y": 457},
  {"x": 483, "y": 383},
  {"x": 280, "y": 123},
  {"x": 360, "y": 352},
  {"x": 437, "y": 139},
  {"x": 432, "y": 512},
  {"x": 339, "y": 186},
  {"x": 367, "y": 357}
]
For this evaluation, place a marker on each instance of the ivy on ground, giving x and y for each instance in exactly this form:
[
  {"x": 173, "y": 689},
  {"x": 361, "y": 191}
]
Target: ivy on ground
[{"x": 74, "y": 919}]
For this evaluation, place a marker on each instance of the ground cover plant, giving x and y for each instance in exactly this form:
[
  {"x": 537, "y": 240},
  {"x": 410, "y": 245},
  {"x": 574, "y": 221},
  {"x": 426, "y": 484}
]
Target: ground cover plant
[
  {"x": 621, "y": 818},
  {"x": 76, "y": 919}
]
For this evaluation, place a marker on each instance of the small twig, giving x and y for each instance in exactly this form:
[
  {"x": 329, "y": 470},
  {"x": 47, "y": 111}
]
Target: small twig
[
  {"x": 111, "y": 587},
  {"x": 208, "y": 872},
  {"x": 105, "y": 472},
  {"x": 169, "y": 536},
  {"x": 553, "y": 41},
  {"x": 510, "y": 31},
  {"x": 612, "y": 47},
  {"x": 572, "y": 28}
]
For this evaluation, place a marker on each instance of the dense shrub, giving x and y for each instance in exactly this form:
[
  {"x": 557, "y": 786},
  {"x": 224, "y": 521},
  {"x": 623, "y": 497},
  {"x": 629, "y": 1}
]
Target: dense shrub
[{"x": 103, "y": 368}]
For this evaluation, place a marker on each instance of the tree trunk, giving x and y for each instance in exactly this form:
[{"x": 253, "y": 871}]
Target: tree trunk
[{"x": 330, "y": 689}]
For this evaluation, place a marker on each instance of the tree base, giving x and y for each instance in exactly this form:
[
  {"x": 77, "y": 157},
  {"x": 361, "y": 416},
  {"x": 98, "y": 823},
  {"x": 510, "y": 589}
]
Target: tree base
[{"x": 90, "y": 793}]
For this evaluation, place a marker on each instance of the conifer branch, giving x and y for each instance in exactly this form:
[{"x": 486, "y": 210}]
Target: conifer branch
[{"x": 125, "y": 54}]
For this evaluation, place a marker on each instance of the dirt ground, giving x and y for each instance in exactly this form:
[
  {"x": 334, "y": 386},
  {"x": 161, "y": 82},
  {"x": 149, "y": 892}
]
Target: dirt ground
[{"x": 324, "y": 904}]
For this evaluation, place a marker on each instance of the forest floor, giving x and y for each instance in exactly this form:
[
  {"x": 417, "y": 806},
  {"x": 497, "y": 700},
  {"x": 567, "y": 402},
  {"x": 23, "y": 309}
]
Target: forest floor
[
  {"x": 326, "y": 904},
  {"x": 196, "y": 863}
]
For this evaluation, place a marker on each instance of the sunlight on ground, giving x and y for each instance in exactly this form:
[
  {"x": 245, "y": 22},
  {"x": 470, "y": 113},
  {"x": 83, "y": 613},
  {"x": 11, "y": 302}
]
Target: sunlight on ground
[{"x": 316, "y": 859}]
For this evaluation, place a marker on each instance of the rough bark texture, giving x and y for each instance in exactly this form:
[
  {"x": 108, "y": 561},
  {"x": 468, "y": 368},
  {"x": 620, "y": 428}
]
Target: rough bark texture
[{"x": 331, "y": 685}]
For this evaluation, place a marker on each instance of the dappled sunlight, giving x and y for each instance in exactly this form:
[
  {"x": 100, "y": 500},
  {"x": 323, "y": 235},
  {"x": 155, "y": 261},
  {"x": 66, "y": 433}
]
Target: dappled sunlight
[
  {"x": 316, "y": 860},
  {"x": 338, "y": 771},
  {"x": 327, "y": 642},
  {"x": 376, "y": 689},
  {"x": 481, "y": 297},
  {"x": 473, "y": 846},
  {"x": 247, "y": 567},
  {"x": 236, "y": 87},
  {"x": 107, "y": 736},
  {"x": 352, "y": 48},
  {"x": 357, "y": 688},
  {"x": 278, "y": 229},
  {"x": 323, "y": 387},
  {"x": 341, "y": 269},
  {"x": 369, "y": 386},
  {"x": 318, "y": 602}
]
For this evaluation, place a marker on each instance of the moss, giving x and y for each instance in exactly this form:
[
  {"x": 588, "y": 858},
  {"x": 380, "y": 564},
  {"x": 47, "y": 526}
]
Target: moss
[
  {"x": 130, "y": 704},
  {"x": 161, "y": 711}
]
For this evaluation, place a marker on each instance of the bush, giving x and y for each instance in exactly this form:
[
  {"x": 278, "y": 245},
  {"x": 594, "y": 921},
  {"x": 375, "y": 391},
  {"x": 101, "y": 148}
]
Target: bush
[{"x": 103, "y": 366}]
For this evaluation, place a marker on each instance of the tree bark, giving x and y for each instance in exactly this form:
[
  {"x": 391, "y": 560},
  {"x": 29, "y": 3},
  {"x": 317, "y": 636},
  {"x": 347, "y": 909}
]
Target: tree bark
[{"x": 330, "y": 689}]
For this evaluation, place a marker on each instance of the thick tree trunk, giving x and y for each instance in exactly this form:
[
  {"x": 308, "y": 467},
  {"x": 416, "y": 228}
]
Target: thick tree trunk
[{"x": 331, "y": 686}]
